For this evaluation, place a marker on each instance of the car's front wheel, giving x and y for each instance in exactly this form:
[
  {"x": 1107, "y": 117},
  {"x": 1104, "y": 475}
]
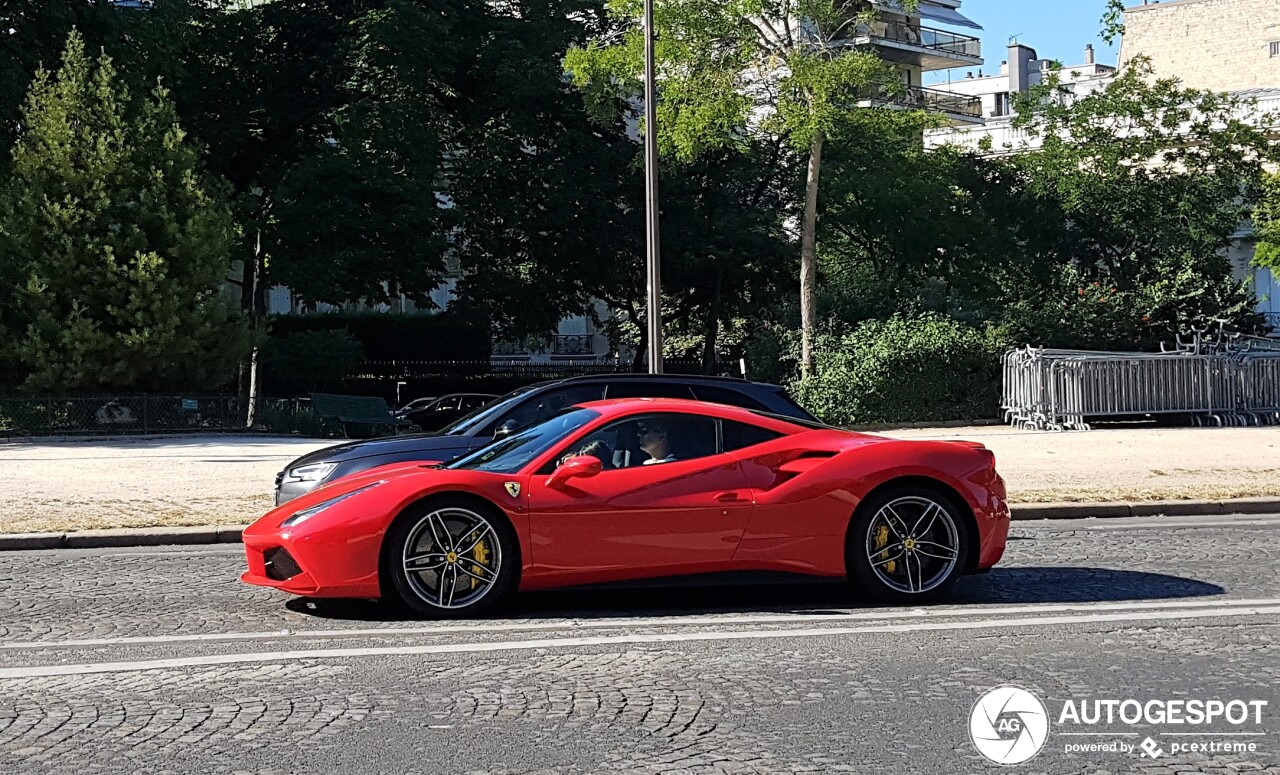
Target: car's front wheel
[
  {"x": 450, "y": 557},
  {"x": 906, "y": 545}
]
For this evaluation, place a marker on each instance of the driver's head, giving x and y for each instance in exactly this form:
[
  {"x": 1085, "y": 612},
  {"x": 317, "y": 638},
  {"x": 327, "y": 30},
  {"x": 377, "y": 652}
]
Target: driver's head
[{"x": 652, "y": 438}]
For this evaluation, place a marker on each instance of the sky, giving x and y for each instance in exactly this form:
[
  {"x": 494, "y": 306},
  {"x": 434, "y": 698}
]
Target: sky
[{"x": 1056, "y": 29}]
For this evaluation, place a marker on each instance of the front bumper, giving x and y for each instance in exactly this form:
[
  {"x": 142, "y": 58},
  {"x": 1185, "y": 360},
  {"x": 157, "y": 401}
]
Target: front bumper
[{"x": 311, "y": 564}]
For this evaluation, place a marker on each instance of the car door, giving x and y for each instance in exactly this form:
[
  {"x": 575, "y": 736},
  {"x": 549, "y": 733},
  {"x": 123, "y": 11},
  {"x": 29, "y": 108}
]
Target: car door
[{"x": 640, "y": 520}]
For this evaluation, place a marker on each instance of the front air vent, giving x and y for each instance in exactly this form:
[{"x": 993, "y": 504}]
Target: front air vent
[{"x": 280, "y": 565}]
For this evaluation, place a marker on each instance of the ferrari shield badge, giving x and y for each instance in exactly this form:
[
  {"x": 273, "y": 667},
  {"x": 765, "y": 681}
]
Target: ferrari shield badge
[{"x": 513, "y": 489}]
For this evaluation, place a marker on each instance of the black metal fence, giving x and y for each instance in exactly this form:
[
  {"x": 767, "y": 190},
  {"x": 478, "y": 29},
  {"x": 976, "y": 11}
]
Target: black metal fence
[
  {"x": 97, "y": 415},
  {"x": 395, "y": 381},
  {"x": 519, "y": 368}
]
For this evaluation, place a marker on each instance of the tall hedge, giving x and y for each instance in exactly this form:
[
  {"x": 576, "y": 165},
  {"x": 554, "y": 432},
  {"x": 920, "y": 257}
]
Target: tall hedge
[
  {"x": 452, "y": 335},
  {"x": 924, "y": 369}
]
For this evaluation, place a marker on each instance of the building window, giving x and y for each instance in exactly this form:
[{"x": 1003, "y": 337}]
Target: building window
[
  {"x": 1002, "y": 104},
  {"x": 1275, "y": 49}
]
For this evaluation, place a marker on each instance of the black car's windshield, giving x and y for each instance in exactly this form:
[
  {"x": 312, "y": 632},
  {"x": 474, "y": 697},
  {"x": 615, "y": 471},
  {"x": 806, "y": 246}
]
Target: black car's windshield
[
  {"x": 485, "y": 413},
  {"x": 510, "y": 454}
]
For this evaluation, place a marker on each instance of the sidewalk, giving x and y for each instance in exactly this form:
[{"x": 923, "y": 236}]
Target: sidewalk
[{"x": 211, "y": 481}]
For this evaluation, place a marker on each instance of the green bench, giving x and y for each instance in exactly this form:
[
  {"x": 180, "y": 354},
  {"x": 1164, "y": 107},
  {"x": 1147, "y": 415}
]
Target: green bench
[{"x": 359, "y": 410}]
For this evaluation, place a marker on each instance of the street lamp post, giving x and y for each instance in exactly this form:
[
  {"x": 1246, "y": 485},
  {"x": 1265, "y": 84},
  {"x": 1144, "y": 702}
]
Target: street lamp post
[{"x": 653, "y": 252}]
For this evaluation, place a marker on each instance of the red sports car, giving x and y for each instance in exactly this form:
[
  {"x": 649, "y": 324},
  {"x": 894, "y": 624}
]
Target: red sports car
[{"x": 642, "y": 488}]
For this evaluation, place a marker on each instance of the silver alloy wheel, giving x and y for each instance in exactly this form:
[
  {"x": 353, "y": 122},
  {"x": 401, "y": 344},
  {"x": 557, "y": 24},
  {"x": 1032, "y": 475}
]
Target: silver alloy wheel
[
  {"x": 452, "y": 558},
  {"x": 913, "y": 544}
]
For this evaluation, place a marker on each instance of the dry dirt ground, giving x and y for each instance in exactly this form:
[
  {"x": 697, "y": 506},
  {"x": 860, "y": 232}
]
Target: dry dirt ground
[{"x": 227, "y": 480}]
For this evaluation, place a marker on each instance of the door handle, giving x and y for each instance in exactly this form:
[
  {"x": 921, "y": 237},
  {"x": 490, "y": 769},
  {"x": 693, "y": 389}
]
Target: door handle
[{"x": 730, "y": 497}]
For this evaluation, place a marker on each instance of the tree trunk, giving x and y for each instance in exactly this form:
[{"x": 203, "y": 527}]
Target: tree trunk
[
  {"x": 257, "y": 309},
  {"x": 712, "y": 332},
  {"x": 809, "y": 257}
]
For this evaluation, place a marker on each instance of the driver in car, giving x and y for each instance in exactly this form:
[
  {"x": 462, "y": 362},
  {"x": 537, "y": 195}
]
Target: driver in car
[{"x": 654, "y": 441}]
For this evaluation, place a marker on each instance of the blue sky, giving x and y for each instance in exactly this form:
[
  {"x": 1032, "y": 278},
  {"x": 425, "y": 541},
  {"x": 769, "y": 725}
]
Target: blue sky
[{"x": 1056, "y": 29}]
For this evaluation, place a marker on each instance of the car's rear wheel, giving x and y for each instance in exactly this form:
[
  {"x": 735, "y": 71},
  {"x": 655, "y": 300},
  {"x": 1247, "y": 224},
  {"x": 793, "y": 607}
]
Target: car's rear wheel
[
  {"x": 450, "y": 558},
  {"x": 906, "y": 545}
]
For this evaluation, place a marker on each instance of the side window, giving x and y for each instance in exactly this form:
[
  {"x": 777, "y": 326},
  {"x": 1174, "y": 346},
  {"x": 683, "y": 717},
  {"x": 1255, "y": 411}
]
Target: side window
[
  {"x": 542, "y": 406},
  {"x": 719, "y": 395},
  {"x": 648, "y": 389},
  {"x": 649, "y": 439},
  {"x": 740, "y": 435}
]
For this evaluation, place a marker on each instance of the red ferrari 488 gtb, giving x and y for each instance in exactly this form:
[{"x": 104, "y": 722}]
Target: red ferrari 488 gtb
[{"x": 642, "y": 488}]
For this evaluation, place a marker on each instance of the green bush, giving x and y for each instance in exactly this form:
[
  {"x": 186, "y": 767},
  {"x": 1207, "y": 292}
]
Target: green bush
[{"x": 923, "y": 369}]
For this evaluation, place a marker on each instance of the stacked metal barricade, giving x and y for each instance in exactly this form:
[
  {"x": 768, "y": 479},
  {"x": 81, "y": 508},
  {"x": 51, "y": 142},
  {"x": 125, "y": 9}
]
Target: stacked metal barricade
[{"x": 1231, "y": 380}]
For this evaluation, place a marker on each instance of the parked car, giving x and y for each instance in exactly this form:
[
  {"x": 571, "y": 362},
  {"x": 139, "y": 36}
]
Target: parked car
[
  {"x": 436, "y": 412},
  {"x": 612, "y": 491},
  {"x": 520, "y": 409}
]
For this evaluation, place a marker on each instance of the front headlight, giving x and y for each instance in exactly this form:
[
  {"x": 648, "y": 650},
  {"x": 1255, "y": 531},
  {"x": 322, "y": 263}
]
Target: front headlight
[
  {"x": 307, "y": 513},
  {"x": 316, "y": 472}
]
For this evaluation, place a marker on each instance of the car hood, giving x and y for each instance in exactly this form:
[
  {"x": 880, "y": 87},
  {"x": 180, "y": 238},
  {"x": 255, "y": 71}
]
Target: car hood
[{"x": 425, "y": 443}]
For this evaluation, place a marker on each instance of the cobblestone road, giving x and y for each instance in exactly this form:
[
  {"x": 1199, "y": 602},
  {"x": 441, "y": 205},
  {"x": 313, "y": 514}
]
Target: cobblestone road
[{"x": 160, "y": 661}]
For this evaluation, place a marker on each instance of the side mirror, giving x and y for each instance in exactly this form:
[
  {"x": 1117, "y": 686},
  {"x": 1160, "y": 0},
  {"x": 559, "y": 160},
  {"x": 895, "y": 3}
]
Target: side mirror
[
  {"x": 506, "y": 429},
  {"x": 579, "y": 466}
]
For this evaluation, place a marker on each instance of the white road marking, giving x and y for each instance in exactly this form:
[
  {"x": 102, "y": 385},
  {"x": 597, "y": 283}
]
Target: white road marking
[
  {"x": 614, "y": 640},
  {"x": 656, "y": 621},
  {"x": 1141, "y": 523}
]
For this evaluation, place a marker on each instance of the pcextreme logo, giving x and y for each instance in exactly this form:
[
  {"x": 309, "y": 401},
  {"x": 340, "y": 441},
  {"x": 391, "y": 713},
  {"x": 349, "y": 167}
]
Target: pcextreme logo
[{"x": 1008, "y": 725}]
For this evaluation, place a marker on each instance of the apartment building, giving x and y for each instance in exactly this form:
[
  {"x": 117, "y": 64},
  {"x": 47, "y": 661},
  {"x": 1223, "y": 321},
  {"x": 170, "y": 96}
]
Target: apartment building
[
  {"x": 1220, "y": 45},
  {"x": 917, "y": 43}
]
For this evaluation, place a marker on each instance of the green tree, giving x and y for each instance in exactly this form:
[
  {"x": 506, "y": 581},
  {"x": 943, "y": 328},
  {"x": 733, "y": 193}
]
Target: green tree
[
  {"x": 1266, "y": 223},
  {"x": 113, "y": 244},
  {"x": 356, "y": 217},
  {"x": 737, "y": 69},
  {"x": 1113, "y": 21},
  {"x": 1153, "y": 181}
]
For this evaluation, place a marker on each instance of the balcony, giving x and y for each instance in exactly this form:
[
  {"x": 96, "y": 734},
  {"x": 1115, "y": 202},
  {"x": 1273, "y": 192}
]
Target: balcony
[
  {"x": 957, "y": 107},
  {"x": 923, "y": 47}
]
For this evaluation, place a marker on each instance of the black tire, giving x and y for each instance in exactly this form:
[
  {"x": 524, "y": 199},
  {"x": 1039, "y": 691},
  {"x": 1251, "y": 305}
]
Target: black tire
[
  {"x": 451, "y": 572},
  {"x": 917, "y": 539}
]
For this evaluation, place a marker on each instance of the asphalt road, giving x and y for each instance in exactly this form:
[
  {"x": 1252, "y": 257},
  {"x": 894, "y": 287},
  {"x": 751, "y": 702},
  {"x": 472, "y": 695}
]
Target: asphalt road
[{"x": 155, "y": 661}]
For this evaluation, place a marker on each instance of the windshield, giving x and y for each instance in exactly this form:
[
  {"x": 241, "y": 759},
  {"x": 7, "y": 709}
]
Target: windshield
[
  {"x": 486, "y": 413},
  {"x": 509, "y": 455}
]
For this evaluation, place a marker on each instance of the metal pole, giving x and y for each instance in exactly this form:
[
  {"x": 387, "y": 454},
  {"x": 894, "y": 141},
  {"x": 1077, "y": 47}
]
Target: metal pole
[{"x": 653, "y": 253}]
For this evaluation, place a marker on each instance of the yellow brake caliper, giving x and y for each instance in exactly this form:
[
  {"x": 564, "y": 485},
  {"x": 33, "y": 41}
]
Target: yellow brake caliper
[
  {"x": 481, "y": 555},
  {"x": 882, "y": 538}
]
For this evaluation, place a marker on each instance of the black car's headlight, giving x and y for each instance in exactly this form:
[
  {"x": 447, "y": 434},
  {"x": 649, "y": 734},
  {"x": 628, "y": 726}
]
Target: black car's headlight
[
  {"x": 314, "y": 472},
  {"x": 307, "y": 513}
]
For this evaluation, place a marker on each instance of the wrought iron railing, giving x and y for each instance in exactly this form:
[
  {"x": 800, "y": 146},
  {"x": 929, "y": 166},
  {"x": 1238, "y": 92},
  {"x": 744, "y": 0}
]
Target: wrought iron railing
[
  {"x": 575, "y": 344},
  {"x": 924, "y": 37},
  {"x": 933, "y": 100},
  {"x": 559, "y": 344}
]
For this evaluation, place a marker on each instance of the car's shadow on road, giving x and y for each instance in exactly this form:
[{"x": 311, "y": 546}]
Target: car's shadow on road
[{"x": 758, "y": 593}]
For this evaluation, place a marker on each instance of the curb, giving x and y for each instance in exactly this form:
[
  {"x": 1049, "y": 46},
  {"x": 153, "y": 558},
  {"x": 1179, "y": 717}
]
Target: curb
[{"x": 230, "y": 534}]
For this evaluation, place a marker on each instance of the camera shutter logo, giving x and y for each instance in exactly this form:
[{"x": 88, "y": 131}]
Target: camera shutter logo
[{"x": 1008, "y": 725}]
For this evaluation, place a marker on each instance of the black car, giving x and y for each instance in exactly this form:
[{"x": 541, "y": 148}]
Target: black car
[
  {"x": 434, "y": 413},
  {"x": 518, "y": 409}
]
